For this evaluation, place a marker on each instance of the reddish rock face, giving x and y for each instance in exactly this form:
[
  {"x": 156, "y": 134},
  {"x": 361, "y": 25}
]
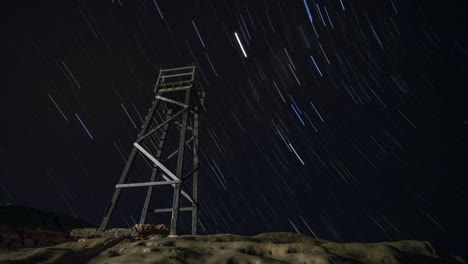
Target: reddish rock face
[{"x": 16, "y": 237}]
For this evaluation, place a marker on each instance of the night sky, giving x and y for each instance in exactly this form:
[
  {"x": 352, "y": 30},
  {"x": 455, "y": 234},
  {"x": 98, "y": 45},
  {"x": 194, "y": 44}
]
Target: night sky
[{"x": 343, "y": 120}]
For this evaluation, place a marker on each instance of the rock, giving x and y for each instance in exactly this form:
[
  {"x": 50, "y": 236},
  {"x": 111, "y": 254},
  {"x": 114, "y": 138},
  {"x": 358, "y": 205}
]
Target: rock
[
  {"x": 139, "y": 230},
  {"x": 29, "y": 243},
  {"x": 4, "y": 242},
  {"x": 145, "y": 230}
]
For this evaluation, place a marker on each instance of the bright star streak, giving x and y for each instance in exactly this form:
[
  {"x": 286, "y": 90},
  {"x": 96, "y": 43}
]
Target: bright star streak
[
  {"x": 87, "y": 131},
  {"x": 198, "y": 33},
  {"x": 317, "y": 112},
  {"x": 60, "y": 110},
  {"x": 308, "y": 11},
  {"x": 240, "y": 44},
  {"x": 296, "y": 154},
  {"x": 159, "y": 10},
  {"x": 316, "y": 66}
]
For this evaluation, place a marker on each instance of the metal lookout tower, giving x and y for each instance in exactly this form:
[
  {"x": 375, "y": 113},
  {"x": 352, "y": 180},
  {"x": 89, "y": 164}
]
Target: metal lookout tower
[{"x": 177, "y": 103}]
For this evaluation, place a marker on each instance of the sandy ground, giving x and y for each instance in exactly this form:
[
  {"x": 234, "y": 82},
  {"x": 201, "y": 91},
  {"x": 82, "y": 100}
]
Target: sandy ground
[{"x": 281, "y": 247}]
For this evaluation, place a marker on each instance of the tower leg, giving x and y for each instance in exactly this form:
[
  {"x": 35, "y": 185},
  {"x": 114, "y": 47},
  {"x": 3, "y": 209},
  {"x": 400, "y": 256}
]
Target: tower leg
[
  {"x": 195, "y": 173},
  {"x": 175, "y": 210},
  {"x": 117, "y": 192},
  {"x": 144, "y": 212},
  {"x": 180, "y": 166}
]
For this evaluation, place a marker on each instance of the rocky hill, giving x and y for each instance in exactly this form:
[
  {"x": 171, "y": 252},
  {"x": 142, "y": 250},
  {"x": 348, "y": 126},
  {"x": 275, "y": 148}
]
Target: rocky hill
[{"x": 30, "y": 218}]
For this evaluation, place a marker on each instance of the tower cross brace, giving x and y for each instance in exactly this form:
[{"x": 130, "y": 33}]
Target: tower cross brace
[{"x": 177, "y": 103}]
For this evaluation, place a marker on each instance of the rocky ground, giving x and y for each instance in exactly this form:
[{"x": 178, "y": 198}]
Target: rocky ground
[
  {"x": 29, "y": 236},
  {"x": 150, "y": 244}
]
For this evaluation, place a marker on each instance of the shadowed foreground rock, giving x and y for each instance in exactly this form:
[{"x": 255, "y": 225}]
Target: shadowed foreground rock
[
  {"x": 17, "y": 237},
  {"x": 134, "y": 247}
]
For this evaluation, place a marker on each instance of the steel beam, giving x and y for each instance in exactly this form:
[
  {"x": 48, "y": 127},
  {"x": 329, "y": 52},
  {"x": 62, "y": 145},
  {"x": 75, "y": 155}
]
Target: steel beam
[
  {"x": 195, "y": 173},
  {"x": 178, "y": 69},
  {"x": 177, "y": 75},
  {"x": 144, "y": 184},
  {"x": 168, "y": 90},
  {"x": 171, "y": 101},
  {"x": 168, "y": 210}
]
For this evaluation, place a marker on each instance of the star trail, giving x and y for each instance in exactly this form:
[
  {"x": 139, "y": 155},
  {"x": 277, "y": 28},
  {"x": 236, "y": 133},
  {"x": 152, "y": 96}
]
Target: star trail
[{"x": 342, "y": 120}]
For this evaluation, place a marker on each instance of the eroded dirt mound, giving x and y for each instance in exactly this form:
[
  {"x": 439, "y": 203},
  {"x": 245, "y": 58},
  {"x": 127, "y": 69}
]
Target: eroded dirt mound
[{"x": 228, "y": 248}]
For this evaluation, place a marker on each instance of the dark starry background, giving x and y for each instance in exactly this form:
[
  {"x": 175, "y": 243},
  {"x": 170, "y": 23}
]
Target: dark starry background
[{"x": 381, "y": 157}]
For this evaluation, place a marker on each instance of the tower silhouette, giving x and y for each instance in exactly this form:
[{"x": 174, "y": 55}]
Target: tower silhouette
[{"x": 177, "y": 104}]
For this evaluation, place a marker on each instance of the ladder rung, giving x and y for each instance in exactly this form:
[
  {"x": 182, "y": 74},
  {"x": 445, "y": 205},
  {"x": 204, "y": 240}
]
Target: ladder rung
[
  {"x": 142, "y": 184},
  {"x": 177, "y": 123},
  {"x": 171, "y": 101},
  {"x": 173, "y": 83},
  {"x": 175, "y": 89},
  {"x": 166, "y": 210},
  {"x": 178, "y": 69},
  {"x": 176, "y": 75}
]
